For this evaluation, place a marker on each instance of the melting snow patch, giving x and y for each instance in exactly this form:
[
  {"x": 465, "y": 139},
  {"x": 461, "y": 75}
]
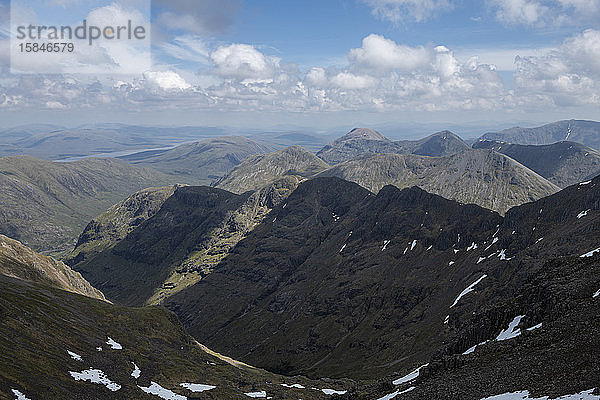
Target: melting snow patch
[
  {"x": 295, "y": 385},
  {"x": 468, "y": 290},
  {"x": 524, "y": 395},
  {"x": 75, "y": 356},
  {"x": 257, "y": 394},
  {"x": 396, "y": 393},
  {"x": 161, "y": 392},
  {"x": 410, "y": 377},
  {"x": 95, "y": 376},
  {"x": 596, "y": 294},
  {"x": 512, "y": 331},
  {"x": 583, "y": 214},
  {"x": 585, "y": 183},
  {"x": 331, "y": 391},
  {"x": 197, "y": 387},
  {"x": 502, "y": 256},
  {"x": 538, "y": 326},
  {"x": 114, "y": 345},
  {"x": 385, "y": 243},
  {"x": 136, "y": 371},
  {"x": 591, "y": 253},
  {"x": 20, "y": 396},
  {"x": 472, "y": 349},
  {"x": 473, "y": 246}
]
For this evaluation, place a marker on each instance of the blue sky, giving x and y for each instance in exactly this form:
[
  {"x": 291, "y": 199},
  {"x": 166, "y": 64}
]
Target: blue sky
[{"x": 319, "y": 63}]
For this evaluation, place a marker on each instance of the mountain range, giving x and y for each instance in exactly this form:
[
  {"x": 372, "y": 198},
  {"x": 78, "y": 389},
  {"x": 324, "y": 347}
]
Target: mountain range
[
  {"x": 584, "y": 132},
  {"x": 361, "y": 141}
]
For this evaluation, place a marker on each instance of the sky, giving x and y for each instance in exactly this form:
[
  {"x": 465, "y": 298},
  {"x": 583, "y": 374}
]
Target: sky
[{"x": 317, "y": 64}]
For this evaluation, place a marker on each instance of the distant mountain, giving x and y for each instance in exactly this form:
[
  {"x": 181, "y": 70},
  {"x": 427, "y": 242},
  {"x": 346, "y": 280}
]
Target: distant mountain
[
  {"x": 21, "y": 262},
  {"x": 47, "y": 204},
  {"x": 173, "y": 242},
  {"x": 259, "y": 170},
  {"x": 361, "y": 141},
  {"x": 204, "y": 161},
  {"x": 562, "y": 163},
  {"x": 481, "y": 177},
  {"x": 62, "y": 346},
  {"x": 584, "y": 132},
  {"x": 340, "y": 282},
  {"x": 57, "y": 143},
  {"x": 439, "y": 144}
]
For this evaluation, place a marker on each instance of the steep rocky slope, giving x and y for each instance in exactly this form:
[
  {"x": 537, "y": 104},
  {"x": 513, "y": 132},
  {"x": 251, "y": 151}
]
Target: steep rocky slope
[
  {"x": 47, "y": 204},
  {"x": 562, "y": 163},
  {"x": 62, "y": 346},
  {"x": 362, "y": 141},
  {"x": 180, "y": 243},
  {"x": 584, "y": 132},
  {"x": 257, "y": 171},
  {"x": 482, "y": 177},
  {"x": 21, "y": 262},
  {"x": 200, "y": 163}
]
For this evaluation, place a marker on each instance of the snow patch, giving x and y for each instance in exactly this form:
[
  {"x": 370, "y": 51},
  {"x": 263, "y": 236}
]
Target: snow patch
[
  {"x": 538, "y": 326},
  {"x": 429, "y": 248},
  {"x": 161, "y": 392},
  {"x": 75, "y": 356},
  {"x": 583, "y": 214},
  {"x": 396, "y": 393},
  {"x": 503, "y": 257},
  {"x": 450, "y": 263},
  {"x": 472, "y": 349},
  {"x": 410, "y": 377},
  {"x": 114, "y": 345},
  {"x": 524, "y": 395},
  {"x": 385, "y": 243},
  {"x": 99, "y": 348},
  {"x": 539, "y": 240},
  {"x": 512, "y": 331},
  {"x": 596, "y": 294},
  {"x": 197, "y": 387},
  {"x": 468, "y": 290},
  {"x": 591, "y": 253},
  {"x": 585, "y": 183},
  {"x": 412, "y": 246},
  {"x": 343, "y": 247},
  {"x": 20, "y": 396},
  {"x": 493, "y": 242},
  {"x": 256, "y": 394},
  {"x": 294, "y": 385},
  {"x": 95, "y": 376},
  {"x": 446, "y": 319},
  {"x": 332, "y": 391},
  {"x": 473, "y": 246},
  {"x": 136, "y": 371}
]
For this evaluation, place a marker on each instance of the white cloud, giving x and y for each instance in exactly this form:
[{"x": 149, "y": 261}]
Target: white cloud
[
  {"x": 166, "y": 80},
  {"x": 381, "y": 54},
  {"x": 347, "y": 80},
  {"x": 402, "y": 10},
  {"x": 194, "y": 16},
  {"x": 242, "y": 61},
  {"x": 545, "y": 12}
]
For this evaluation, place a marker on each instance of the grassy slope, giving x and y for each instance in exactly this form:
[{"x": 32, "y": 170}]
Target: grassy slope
[{"x": 46, "y": 205}]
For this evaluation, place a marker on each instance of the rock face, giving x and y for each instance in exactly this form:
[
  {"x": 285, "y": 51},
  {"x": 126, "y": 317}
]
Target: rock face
[
  {"x": 174, "y": 246},
  {"x": 260, "y": 170},
  {"x": 362, "y": 141},
  {"x": 202, "y": 162},
  {"x": 481, "y": 177},
  {"x": 562, "y": 163},
  {"x": 47, "y": 204},
  {"x": 584, "y": 132},
  {"x": 21, "y": 262},
  {"x": 50, "y": 337}
]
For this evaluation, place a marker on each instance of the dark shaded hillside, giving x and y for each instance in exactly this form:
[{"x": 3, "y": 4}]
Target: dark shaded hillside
[
  {"x": 47, "y": 204},
  {"x": 562, "y": 163}
]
